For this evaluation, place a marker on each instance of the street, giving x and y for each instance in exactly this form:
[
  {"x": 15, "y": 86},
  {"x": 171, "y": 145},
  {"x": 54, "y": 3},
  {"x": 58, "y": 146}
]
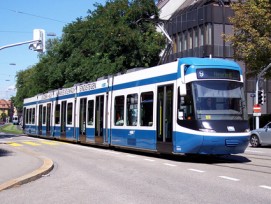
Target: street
[{"x": 84, "y": 174}]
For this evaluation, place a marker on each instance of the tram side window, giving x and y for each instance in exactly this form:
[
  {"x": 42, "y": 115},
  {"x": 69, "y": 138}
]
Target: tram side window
[
  {"x": 185, "y": 105},
  {"x": 131, "y": 111},
  {"x": 57, "y": 114},
  {"x": 119, "y": 111},
  {"x": 27, "y": 116},
  {"x": 33, "y": 116},
  {"x": 69, "y": 114},
  {"x": 90, "y": 112},
  {"x": 146, "y": 109},
  {"x": 43, "y": 114}
]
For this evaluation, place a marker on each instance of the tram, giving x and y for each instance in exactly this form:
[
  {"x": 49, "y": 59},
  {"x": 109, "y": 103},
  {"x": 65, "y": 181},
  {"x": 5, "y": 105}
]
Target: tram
[{"x": 190, "y": 106}]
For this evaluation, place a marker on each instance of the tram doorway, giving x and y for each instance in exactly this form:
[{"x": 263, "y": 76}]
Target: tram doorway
[
  {"x": 164, "y": 119},
  {"x": 40, "y": 120},
  {"x": 63, "y": 119},
  {"x": 48, "y": 119},
  {"x": 99, "y": 112},
  {"x": 82, "y": 119}
]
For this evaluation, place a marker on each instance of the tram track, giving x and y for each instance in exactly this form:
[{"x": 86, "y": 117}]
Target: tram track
[{"x": 248, "y": 162}]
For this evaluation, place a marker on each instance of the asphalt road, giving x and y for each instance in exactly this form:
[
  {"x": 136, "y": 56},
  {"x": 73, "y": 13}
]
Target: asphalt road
[{"x": 84, "y": 174}]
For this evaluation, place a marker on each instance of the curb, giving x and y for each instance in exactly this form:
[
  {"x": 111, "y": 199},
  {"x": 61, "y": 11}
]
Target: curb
[{"x": 47, "y": 166}]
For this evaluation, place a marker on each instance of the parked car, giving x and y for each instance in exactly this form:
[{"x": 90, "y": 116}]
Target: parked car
[{"x": 261, "y": 136}]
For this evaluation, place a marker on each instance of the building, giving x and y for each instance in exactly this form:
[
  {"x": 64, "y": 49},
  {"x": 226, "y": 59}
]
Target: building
[
  {"x": 197, "y": 27},
  {"x": 6, "y": 110}
]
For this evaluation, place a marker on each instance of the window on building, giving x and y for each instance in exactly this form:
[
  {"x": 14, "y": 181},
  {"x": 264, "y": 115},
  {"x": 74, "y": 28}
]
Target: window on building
[
  {"x": 196, "y": 37},
  {"x": 201, "y": 40},
  {"x": 184, "y": 41},
  {"x": 209, "y": 34},
  {"x": 190, "y": 36},
  {"x": 174, "y": 43},
  {"x": 131, "y": 110},
  {"x": 180, "y": 42},
  {"x": 119, "y": 111},
  {"x": 146, "y": 109}
]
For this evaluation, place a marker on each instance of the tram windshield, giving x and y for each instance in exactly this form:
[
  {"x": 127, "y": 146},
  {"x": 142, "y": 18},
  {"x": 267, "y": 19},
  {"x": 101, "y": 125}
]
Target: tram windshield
[{"x": 219, "y": 100}]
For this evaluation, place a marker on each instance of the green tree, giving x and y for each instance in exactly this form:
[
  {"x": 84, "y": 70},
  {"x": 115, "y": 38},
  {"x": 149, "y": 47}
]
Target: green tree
[
  {"x": 110, "y": 39},
  {"x": 251, "y": 37}
]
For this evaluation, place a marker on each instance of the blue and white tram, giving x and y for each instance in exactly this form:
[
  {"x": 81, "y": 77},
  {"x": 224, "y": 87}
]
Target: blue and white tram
[{"x": 190, "y": 106}]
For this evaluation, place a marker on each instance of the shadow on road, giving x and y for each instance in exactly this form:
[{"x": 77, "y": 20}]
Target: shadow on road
[
  {"x": 193, "y": 158},
  {"x": 4, "y": 152}
]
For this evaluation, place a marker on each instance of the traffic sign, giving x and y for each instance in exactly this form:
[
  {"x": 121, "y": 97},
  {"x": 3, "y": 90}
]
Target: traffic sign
[
  {"x": 257, "y": 114},
  {"x": 257, "y": 108}
]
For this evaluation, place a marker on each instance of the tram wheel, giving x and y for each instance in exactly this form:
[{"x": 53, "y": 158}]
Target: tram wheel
[{"x": 254, "y": 141}]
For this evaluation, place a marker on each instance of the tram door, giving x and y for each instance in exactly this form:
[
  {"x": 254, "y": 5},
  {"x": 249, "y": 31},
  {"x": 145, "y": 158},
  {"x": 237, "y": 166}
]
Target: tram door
[
  {"x": 63, "y": 119},
  {"x": 164, "y": 118},
  {"x": 48, "y": 119},
  {"x": 99, "y": 119},
  {"x": 82, "y": 119},
  {"x": 40, "y": 120}
]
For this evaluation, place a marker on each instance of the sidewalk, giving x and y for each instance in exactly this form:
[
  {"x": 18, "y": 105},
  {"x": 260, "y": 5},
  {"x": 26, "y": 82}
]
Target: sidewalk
[{"x": 19, "y": 166}]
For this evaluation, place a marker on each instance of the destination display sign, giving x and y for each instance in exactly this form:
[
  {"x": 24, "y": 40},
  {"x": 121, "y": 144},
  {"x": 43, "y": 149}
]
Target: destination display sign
[{"x": 218, "y": 74}]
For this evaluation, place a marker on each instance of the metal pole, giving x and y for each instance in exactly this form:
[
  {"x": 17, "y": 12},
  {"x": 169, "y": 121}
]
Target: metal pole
[
  {"x": 20, "y": 43},
  {"x": 257, "y": 89}
]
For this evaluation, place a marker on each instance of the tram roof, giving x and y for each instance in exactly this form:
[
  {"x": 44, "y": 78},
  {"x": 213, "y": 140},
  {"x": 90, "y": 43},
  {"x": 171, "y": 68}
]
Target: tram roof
[{"x": 208, "y": 62}]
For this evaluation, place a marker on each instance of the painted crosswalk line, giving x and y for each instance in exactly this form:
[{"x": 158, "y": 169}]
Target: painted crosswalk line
[
  {"x": 31, "y": 143},
  {"x": 14, "y": 144}
]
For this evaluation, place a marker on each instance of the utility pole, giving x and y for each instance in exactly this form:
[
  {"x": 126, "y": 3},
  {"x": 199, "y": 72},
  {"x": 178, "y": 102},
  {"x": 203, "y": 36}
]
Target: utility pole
[{"x": 257, "y": 105}]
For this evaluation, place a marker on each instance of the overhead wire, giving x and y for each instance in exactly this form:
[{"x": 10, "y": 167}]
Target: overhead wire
[{"x": 34, "y": 15}]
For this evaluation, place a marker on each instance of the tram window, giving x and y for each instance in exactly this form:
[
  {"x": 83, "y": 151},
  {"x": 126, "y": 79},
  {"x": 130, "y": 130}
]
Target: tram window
[
  {"x": 27, "y": 116},
  {"x": 185, "y": 105},
  {"x": 33, "y": 116},
  {"x": 57, "y": 114},
  {"x": 146, "y": 109},
  {"x": 131, "y": 111},
  {"x": 90, "y": 112},
  {"x": 69, "y": 114},
  {"x": 119, "y": 111},
  {"x": 43, "y": 114}
]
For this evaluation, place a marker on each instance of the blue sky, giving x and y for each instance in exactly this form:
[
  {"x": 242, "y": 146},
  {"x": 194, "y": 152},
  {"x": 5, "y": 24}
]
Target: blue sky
[{"x": 18, "y": 19}]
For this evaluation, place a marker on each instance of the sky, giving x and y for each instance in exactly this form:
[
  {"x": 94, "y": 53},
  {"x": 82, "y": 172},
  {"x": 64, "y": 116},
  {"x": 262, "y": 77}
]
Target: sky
[{"x": 18, "y": 20}]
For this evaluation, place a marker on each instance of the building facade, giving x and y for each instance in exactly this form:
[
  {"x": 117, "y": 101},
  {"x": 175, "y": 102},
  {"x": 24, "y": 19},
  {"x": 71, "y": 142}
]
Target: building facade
[
  {"x": 6, "y": 110},
  {"x": 197, "y": 28}
]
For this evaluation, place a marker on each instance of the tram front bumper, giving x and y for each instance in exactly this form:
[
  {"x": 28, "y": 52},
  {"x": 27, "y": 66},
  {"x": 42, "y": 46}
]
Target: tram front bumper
[{"x": 222, "y": 145}]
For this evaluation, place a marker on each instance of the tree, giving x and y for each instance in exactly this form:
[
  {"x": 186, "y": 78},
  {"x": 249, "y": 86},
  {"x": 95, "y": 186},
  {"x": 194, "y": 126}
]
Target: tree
[
  {"x": 251, "y": 39},
  {"x": 108, "y": 40}
]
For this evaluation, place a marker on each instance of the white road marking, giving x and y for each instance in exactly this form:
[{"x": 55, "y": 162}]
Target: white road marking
[
  {"x": 196, "y": 170},
  {"x": 254, "y": 151},
  {"x": 150, "y": 160},
  {"x": 113, "y": 152},
  {"x": 229, "y": 178},
  {"x": 129, "y": 155},
  {"x": 266, "y": 187},
  {"x": 167, "y": 164}
]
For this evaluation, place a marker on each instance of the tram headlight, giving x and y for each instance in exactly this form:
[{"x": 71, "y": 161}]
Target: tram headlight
[{"x": 207, "y": 127}]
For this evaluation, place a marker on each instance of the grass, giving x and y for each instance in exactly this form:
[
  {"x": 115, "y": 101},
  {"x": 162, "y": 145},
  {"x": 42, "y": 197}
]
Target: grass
[{"x": 10, "y": 128}]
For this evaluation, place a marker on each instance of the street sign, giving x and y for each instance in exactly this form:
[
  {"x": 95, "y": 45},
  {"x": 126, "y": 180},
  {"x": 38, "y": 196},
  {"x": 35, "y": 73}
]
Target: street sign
[
  {"x": 257, "y": 114},
  {"x": 257, "y": 108}
]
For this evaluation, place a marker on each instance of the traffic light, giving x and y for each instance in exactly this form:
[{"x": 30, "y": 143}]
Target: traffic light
[
  {"x": 39, "y": 36},
  {"x": 264, "y": 97},
  {"x": 261, "y": 97}
]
